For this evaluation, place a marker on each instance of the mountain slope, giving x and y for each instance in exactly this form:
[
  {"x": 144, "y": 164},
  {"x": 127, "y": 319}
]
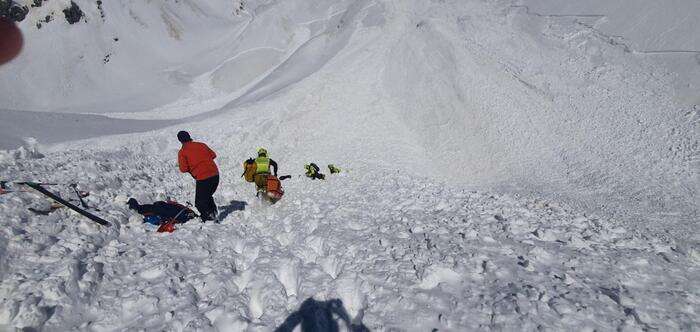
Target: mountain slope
[
  {"x": 503, "y": 171},
  {"x": 403, "y": 251}
]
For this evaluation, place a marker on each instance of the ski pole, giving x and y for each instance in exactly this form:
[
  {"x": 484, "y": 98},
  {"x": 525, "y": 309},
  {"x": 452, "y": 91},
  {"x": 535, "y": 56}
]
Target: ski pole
[{"x": 190, "y": 205}]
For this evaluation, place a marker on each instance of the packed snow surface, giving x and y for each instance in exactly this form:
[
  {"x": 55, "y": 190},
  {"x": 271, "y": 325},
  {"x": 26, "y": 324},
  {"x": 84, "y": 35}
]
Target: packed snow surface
[
  {"x": 505, "y": 167},
  {"x": 664, "y": 32}
]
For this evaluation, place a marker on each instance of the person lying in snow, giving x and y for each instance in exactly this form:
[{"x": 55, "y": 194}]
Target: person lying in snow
[{"x": 160, "y": 211}]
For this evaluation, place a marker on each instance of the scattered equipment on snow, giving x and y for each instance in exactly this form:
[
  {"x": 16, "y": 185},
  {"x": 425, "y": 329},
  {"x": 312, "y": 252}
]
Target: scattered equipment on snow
[
  {"x": 272, "y": 189},
  {"x": 38, "y": 187},
  {"x": 80, "y": 195},
  {"x": 313, "y": 172},
  {"x": 164, "y": 214},
  {"x": 333, "y": 169}
]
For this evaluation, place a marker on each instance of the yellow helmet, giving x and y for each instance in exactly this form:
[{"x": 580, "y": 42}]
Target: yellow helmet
[{"x": 262, "y": 152}]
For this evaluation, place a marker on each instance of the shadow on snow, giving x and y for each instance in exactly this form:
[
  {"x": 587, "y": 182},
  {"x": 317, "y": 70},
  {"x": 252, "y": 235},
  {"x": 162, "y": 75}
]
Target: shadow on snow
[
  {"x": 230, "y": 208},
  {"x": 318, "y": 316}
]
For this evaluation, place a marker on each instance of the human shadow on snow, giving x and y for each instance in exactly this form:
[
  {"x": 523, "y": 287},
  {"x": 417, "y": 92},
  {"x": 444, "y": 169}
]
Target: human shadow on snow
[
  {"x": 234, "y": 205},
  {"x": 318, "y": 316}
]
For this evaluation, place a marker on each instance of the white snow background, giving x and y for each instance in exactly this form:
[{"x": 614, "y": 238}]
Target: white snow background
[{"x": 508, "y": 165}]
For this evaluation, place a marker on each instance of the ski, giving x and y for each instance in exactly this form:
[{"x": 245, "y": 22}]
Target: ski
[
  {"x": 5, "y": 189},
  {"x": 65, "y": 203}
]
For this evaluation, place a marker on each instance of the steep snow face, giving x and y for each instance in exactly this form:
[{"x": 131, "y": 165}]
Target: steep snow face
[
  {"x": 502, "y": 98},
  {"x": 134, "y": 55},
  {"x": 119, "y": 55}
]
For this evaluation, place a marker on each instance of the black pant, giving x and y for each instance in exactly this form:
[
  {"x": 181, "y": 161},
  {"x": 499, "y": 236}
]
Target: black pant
[{"x": 203, "y": 200}]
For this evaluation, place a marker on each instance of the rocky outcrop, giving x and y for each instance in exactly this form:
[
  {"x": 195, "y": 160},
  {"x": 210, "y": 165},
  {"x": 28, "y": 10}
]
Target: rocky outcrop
[
  {"x": 73, "y": 13},
  {"x": 13, "y": 11},
  {"x": 17, "y": 12}
]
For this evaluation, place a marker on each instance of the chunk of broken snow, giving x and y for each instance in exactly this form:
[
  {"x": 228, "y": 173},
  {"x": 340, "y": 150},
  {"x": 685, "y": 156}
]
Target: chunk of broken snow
[{"x": 436, "y": 275}]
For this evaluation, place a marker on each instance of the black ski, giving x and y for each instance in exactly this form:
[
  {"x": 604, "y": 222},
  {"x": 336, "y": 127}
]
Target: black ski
[{"x": 65, "y": 203}]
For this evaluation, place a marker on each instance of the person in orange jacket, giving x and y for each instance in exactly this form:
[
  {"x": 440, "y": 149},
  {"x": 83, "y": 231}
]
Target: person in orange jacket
[{"x": 198, "y": 159}]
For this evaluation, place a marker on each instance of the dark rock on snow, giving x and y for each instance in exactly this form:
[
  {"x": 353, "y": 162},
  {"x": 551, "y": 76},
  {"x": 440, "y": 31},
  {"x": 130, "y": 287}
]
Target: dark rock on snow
[
  {"x": 13, "y": 11},
  {"x": 73, "y": 13}
]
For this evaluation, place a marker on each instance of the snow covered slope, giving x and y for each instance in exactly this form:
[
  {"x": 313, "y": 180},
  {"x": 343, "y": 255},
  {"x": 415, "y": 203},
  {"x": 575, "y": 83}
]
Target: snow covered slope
[
  {"x": 527, "y": 102},
  {"x": 120, "y": 55},
  {"x": 133, "y": 55},
  {"x": 646, "y": 25},
  {"x": 504, "y": 171},
  {"x": 664, "y": 32},
  {"x": 401, "y": 251}
]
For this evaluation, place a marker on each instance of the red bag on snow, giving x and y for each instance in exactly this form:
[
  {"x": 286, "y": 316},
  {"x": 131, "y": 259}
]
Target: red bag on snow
[
  {"x": 274, "y": 188},
  {"x": 167, "y": 227}
]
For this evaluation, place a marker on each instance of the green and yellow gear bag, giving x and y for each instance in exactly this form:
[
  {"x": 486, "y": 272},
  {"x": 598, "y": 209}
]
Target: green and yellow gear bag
[
  {"x": 311, "y": 169},
  {"x": 333, "y": 169}
]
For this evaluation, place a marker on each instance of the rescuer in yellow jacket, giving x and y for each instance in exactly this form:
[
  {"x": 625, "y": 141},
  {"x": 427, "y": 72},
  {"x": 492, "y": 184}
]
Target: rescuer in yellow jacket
[{"x": 263, "y": 165}]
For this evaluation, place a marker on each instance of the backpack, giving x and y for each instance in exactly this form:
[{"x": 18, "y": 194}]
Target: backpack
[
  {"x": 333, "y": 169},
  {"x": 311, "y": 169},
  {"x": 274, "y": 188},
  {"x": 249, "y": 170}
]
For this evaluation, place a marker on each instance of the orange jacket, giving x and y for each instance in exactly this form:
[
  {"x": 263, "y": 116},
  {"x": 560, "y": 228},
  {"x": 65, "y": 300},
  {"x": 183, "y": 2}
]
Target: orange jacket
[{"x": 197, "y": 159}]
